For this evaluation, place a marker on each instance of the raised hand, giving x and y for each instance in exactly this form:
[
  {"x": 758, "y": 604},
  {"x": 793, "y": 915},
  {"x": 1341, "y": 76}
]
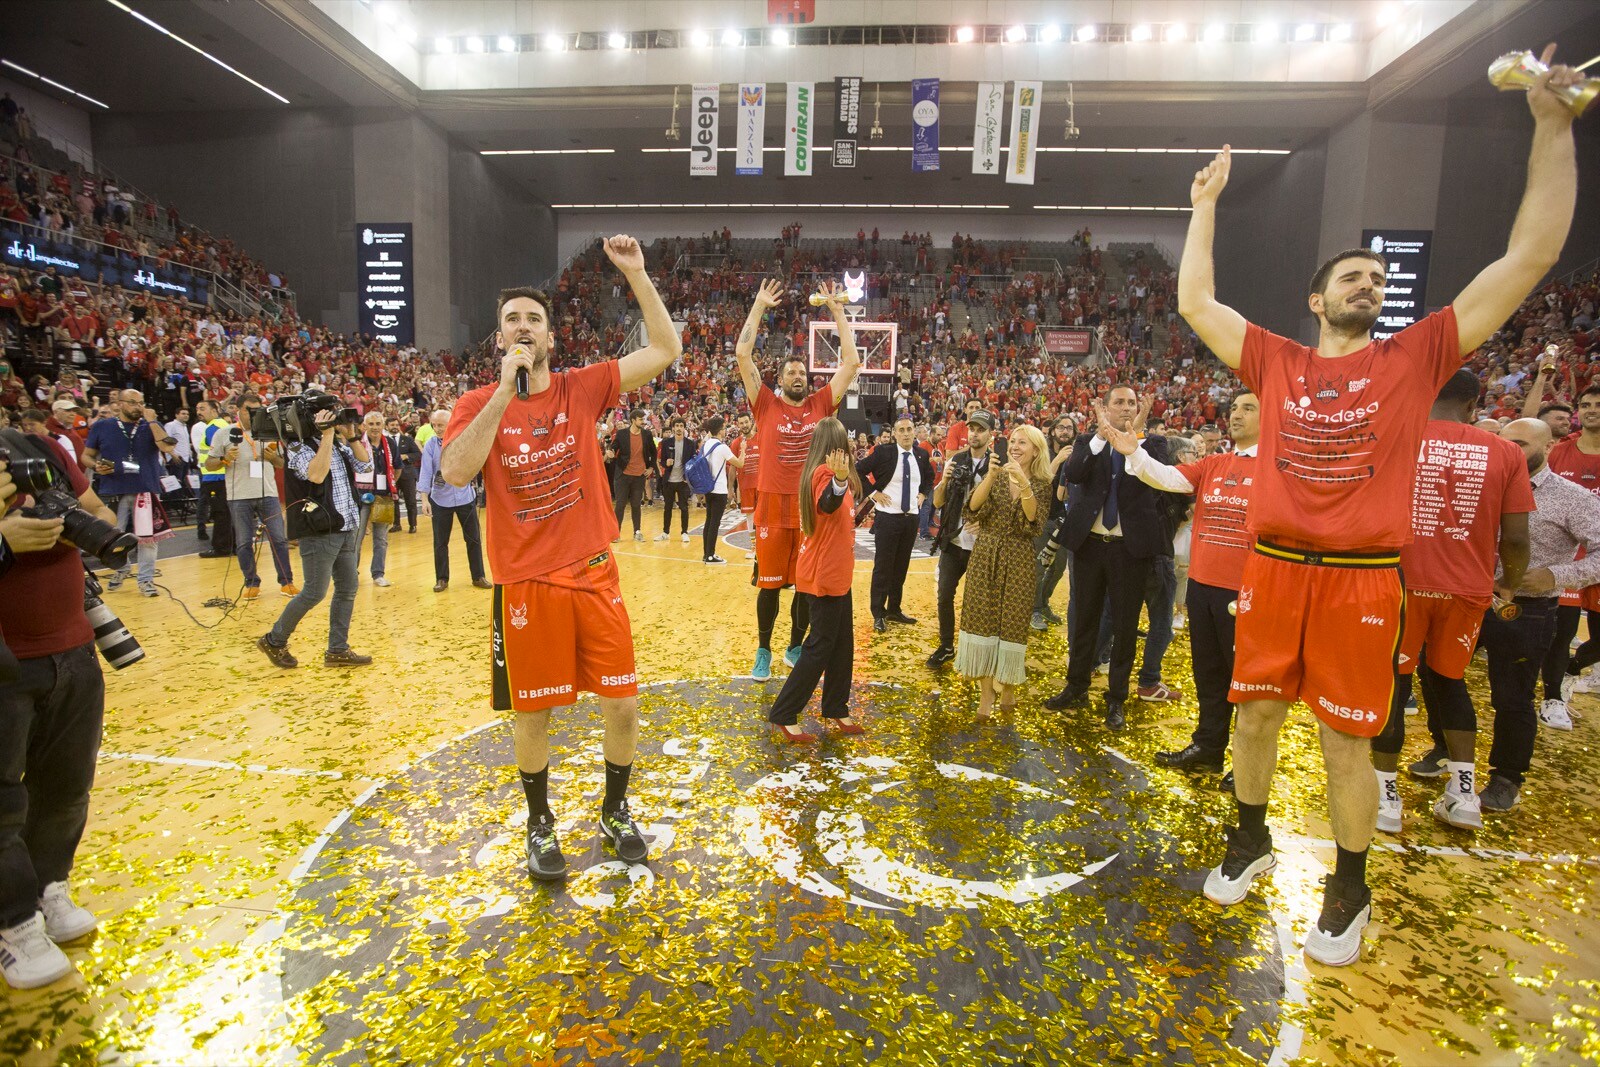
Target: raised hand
[
  {"x": 1545, "y": 104},
  {"x": 625, "y": 252},
  {"x": 839, "y": 463},
  {"x": 770, "y": 295},
  {"x": 1210, "y": 179},
  {"x": 833, "y": 296},
  {"x": 1143, "y": 415}
]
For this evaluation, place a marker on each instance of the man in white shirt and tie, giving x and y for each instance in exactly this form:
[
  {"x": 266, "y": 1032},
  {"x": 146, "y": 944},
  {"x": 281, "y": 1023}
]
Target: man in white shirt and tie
[{"x": 897, "y": 476}]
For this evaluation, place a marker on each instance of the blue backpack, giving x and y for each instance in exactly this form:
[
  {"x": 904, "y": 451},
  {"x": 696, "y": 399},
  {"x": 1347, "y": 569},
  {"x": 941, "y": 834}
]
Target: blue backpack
[{"x": 697, "y": 472}]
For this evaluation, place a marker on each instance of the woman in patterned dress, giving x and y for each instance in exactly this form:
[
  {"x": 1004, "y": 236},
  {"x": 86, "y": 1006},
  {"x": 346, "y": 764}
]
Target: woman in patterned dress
[{"x": 1008, "y": 509}]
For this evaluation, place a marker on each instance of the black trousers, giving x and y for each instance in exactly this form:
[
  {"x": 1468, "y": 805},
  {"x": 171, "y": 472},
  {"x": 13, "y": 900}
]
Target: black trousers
[
  {"x": 443, "y": 519},
  {"x": 893, "y": 538},
  {"x": 674, "y": 493},
  {"x": 1211, "y": 645},
  {"x": 407, "y": 486},
  {"x": 629, "y": 490},
  {"x": 214, "y": 505},
  {"x": 828, "y": 654},
  {"x": 1516, "y": 650},
  {"x": 953, "y": 560},
  {"x": 1103, "y": 571},
  {"x": 716, "y": 504}
]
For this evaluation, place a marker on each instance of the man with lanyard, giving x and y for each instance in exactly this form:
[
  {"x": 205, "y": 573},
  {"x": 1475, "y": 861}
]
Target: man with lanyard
[
  {"x": 1472, "y": 503},
  {"x": 126, "y": 454},
  {"x": 962, "y": 472},
  {"x": 211, "y": 497},
  {"x": 375, "y": 490},
  {"x": 251, "y": 468},
  {"x": 1321, "y": 605},
  {"x": 784, "y": 424},
  {"x": 1577, "y": 459},
  {"x": 560, "y": 626}
]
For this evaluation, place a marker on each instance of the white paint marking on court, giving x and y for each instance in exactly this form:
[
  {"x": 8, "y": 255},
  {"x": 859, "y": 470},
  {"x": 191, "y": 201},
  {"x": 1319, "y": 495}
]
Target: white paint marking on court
[
  {"x": 1451, "y": 852},
  {"x": 219, "y": 765}
]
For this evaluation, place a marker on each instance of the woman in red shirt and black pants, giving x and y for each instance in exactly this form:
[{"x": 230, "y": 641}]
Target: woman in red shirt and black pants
[{"x": 823, "y": 575}]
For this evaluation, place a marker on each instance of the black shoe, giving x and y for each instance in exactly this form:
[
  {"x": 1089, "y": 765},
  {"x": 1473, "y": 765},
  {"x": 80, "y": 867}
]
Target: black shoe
[
  {"x": 1191, "y": 758},
  {"x": 201, "y": 535},
  {"x": 545, "y": 861},
  {"x": 1115, "y": 719},
  {"x": 1051, "y": 617},
  {"x": 901, "y": 617},
  {"x": 1225, "y": 783},
  {"x": 879, "y": 626},
  {"x": 619, "y": 828},
  {"x": 941, "y": 655},
  {"x": 395, "y": 528},
  {"x": 1067, "y": 698},
  {"x": 1432, "y": 765},
  {"x": 1501, "y": 794},
  {"x": 209, "y": 554}
]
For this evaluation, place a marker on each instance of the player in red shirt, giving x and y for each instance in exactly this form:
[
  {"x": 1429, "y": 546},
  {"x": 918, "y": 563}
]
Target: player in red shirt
[
  {"x": 1576, "y": 459},
  {"x": 1472, "y": 495},
  {"x": 1319, "y": 611},
  {"x": 560, "y": 626},
  {"x": 784, "y": 424}
]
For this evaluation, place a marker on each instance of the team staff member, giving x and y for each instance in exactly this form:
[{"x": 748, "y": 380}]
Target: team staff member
[
  {"x": 962, "y": 473},
  {"x": 1320, "y": 609},
  {"x": 784, "y": 424},
  {"x": 1576, "y": 459},
  {"x": 822, "y": 575},
  {"x": 1472, "y": 493},
  {"x": 560, "y": 626},
  {"x": 897, "y": 477},
  {"x": 212, "y": 501},
  {"x": 1222, "y": 483}
]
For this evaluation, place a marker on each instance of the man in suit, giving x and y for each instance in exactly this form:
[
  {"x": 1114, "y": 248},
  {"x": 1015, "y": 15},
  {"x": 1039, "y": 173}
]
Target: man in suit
[
  {"x": 897, "y": 477},
  {"x": 1113, "y": 529},
  {"x": 633, "y": 450},
  {"x": 408, "y": 461}
]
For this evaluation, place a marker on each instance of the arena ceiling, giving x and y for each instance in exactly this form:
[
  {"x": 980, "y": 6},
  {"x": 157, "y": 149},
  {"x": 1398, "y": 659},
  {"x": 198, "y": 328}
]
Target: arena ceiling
[{"x": 491, "y": 74}]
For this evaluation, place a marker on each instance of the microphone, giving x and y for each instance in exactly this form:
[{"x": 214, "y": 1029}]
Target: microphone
[{"x": 522, "y": 374}]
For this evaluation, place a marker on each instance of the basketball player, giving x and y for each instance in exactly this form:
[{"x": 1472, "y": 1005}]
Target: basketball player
[
  {"x": 559, "y": 626},
  {"x": 1320, "y": 605},
  {"x": 785, "y": 422}
]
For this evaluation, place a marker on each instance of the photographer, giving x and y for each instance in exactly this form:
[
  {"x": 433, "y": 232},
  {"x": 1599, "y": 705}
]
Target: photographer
[
  {"x": 50, "y": 719},
  {"x": 252, "y": 496},
  {"x": 325, "y": 517},
  {"x": 126, "y": 453}
]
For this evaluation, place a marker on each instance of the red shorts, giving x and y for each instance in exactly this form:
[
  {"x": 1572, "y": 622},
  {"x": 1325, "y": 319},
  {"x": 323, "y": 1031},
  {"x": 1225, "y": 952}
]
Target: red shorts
[
  {"x": 1327, "y": 633},
  {"x": 747, "y": 496},
  {"x": 1447, "y": 625},
  {"x": 777, "y": 556},
  {"x": 562, "y": 634},
  {"x": 1587, "y": 598}
]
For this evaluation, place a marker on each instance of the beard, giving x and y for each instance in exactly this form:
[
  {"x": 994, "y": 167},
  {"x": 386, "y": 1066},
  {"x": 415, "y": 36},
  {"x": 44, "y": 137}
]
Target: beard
[
  {"x": 1354, "y": 320},
  {"x": 795, "y": 390}
]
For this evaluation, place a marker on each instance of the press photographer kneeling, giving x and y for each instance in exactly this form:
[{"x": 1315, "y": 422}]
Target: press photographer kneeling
[{"x": 324, "y": 516}]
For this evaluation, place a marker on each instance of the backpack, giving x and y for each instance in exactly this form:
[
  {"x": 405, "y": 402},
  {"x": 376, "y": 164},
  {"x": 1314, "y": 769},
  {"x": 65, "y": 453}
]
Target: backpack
[{"x": 697, "y": 472}]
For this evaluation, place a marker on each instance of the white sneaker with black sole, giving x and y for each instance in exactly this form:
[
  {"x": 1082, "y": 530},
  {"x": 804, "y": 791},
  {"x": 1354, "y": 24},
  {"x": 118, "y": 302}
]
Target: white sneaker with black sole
[
  {"x": 1554, "y": 714},
  {"x": 1246, "y": 859},
  {"x": 64, "y": 920},
  {"x": 1335, "y": 940},
  {"x": 28, "y": 958}
]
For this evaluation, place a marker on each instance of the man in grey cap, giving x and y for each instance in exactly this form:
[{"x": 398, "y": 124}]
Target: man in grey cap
[{"x": 963, "y": 470}]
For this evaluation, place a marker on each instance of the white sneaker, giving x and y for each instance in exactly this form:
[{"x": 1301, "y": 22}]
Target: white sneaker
[
  {"x": 1390, "y": 814},
  {"x": 1553, "y": 713},
  {"x": 1178, "y": 622},
  {"x": 1589, "y": 683},
  {"x": 685, "y": 538},
  {"x": 662, "y": 536},
  {"x": 29, "y": 958},
  {"x": 1245, "y": 861},
  {"x": 381, "y": 581},
  {"x": 1461, "y": 810},
  {"x": 64, "y": 920},
  {"x": 1569, "y": 685},
  {"x": 1329, "y": 945}
]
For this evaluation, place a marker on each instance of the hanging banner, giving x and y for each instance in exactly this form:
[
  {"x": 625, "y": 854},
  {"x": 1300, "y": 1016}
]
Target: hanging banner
[
  {"x": 798, "y": 122},
  {"x": 846, "y": 120},
  {"x": 703, "y": 143},
  {"x": 924, "y": 124},
  {"x": 1025, "y": 100},
  {"x": 987, "y": 131},
  {"x": 752, "y": 129}
]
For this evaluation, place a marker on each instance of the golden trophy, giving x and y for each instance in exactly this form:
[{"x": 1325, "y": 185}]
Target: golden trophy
[{"x": 1521, "y": 70}]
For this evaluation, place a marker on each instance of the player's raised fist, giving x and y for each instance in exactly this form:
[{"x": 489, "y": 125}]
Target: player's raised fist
[
  {"x": 625, "y": 252},
  {"x": 1209, "y": 180}
]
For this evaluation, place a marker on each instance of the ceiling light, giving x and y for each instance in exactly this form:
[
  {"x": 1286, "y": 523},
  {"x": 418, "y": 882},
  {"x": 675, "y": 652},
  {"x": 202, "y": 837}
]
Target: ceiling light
[
  {"x": 1141, "y": 32},
  {"x": 780, "y": 37},
  {"x": 1342, "y": 32},
  {"x": 1016, "y": 34},
  {"x": 1306, "y": 31},
  {"x": 506, "y": 44},
  {"x": 617, "y": 40},
  {"x": 1176, "y": 32},
  {"x": 1216, "y": 32},
  {"x": 1266, "y": 33},
  {"x": 554, "y": 42},
  {"x": 58, "y": 85},
  {"x": 732, "y": 38},
  {"x": 1049, "y": 34},
  {"x": 474, "y": 44},
  {"x": 1086, "y": 33},
  {"x": 154, "y": 25},
  {"x": 964, "y": 35},
  {"x": 700, "y": 38},
  {"x": 443, "y": 44}
]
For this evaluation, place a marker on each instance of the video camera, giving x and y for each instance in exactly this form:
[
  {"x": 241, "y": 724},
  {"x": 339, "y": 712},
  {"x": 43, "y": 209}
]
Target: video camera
[
  {"x": 35, "y": 474},
  {"x": 293, "y": 418}
]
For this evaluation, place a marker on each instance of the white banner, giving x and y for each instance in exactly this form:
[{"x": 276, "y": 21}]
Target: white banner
[
  {"x": 703, "y": 142},
  {"x": 1025, "y": 100},
  {"x": 987, "y": 132},
  {"x": 799, "y": 121},
  {"x": 752, "y": 129}
]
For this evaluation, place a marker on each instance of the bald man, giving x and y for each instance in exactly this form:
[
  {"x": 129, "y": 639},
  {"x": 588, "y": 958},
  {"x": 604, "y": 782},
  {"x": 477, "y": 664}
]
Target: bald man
[{"x": 448, "y": 503}]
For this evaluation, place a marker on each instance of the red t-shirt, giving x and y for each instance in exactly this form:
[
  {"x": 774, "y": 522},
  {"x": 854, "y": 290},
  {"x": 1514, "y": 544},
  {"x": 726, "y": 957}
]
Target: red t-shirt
[
  {"x": 1220, "y": 541},
  {"x": 545, "y": 477},
  {"x": 41, "y": 596},
  {"x": 1575, "y": 465},
  {"x": 827, "y": 555},
  {"x": 783, "y": 431},
  {"x": 1466, "y": 479},
  {"x": 1339, "y": 437}
]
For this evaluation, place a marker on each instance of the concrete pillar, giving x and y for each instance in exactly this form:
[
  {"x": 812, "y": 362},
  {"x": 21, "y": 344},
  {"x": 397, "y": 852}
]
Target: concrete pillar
[{"x": 402, "y": 174}]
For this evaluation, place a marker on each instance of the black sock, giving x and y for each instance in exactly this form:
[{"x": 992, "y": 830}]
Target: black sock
[
  {"x": 766, "y": 615},
  {"x": 1252, "y": 818},
  {"x": 535, "y": 786},
  {"x": 799, "y": 619},
  {"x": 1350, "y": 867},
  {"x": 616, "y": 785}
]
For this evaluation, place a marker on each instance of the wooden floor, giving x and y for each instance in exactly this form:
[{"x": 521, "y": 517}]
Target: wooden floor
[{"x": 325, "y": 866}]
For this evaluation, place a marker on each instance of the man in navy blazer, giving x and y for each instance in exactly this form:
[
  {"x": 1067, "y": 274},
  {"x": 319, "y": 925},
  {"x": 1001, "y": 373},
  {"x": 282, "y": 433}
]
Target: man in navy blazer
[
  {"x": 897, "y": 477},
  {"x": 1113, "y": 529}
]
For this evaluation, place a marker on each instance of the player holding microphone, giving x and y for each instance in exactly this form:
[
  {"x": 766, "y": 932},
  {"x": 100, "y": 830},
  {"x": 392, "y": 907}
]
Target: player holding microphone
[{"x": 559, "y": 626}]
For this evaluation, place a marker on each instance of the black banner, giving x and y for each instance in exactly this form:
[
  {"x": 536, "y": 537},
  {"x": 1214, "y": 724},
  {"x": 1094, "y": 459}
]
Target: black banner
[
  {"x": 384, "y": 297},
  {"x": 846, "y": 120},
  {"x": 1405, "y": 298}
]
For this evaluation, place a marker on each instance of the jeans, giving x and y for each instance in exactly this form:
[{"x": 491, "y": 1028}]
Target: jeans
[
  {"x": 443, "y": 519},
  {"x": 925, "y": 517},
  {"x": 629, "y": 492},
  {"x": 380, "y": 540},
  {"x": 324, "y": 556},
  {"x": 1159, "y": 589},
  {"x": 245, "y": 514},
  {"x": 50, "y": 722},
  {"x": 716, "y": 503},
  {"x": 674, "y": 493},
  {"x": 1049, "y": 577},
  {"x": 1516, "y": 651},
  {"x": 147, "y": 549},
  {"x": 953, "y": 560}
]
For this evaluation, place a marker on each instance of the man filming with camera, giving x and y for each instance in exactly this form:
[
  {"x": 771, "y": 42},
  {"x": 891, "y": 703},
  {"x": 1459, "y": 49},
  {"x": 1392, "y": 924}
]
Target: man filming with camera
[
  {"x": 253, "y": 496},
  {"x": 127, "y": 454},
  {"x": 325, "y": 517}
]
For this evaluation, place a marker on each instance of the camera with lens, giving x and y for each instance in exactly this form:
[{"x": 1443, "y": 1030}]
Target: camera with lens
[
  {"x": 293, "y": 418},
  {"x": 111, "y": 637},
  {"x": 36, "y": 475}
]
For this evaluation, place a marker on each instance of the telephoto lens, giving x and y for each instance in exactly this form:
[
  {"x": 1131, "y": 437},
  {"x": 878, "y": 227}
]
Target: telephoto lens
[{"x": 111, "y": 637}]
